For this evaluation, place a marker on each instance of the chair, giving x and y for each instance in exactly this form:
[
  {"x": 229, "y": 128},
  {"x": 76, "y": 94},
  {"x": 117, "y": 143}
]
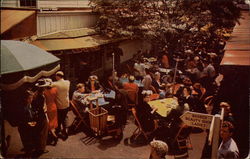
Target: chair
[
  {"x": 183, "y": 140},
  {"x": 132, "y": 98},
  {"x": 183, "y": 143},
  {"x": 138, "y": 130},
  {"x": 203, "y": 92},
  {"x": 78, "y": 114},
  {"x": 208, "y": 102},
  {"x": 110, "y": 126},
  {"x": 153, "y": 89}
]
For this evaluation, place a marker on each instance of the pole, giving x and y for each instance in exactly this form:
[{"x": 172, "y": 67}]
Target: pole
[
  {"x": 175, "y": 70},
  {"x": 216, "y": 132},
  {"x": 113, "y": 69}
]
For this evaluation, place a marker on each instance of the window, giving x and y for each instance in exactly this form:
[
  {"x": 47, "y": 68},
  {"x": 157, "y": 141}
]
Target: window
[{"x": 28, "y": 3}]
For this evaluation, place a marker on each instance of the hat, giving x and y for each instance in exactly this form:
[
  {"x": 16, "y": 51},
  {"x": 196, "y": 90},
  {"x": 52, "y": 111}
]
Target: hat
[
  {"x": 93, "y": 77},
  {"x": 45, "y": 82},
  {"x": 60, "y": 73}
]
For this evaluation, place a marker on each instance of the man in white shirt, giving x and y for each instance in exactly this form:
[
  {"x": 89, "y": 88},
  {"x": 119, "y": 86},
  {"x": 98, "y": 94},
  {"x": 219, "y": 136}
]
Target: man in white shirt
[
  {"x": 228, "y": 148},
  {"x": 62, "y": 101}
]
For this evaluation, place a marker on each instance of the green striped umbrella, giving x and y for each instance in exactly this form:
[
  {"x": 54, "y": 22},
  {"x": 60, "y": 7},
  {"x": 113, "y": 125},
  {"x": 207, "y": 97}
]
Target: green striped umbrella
[{"x": 22, "y": 62}]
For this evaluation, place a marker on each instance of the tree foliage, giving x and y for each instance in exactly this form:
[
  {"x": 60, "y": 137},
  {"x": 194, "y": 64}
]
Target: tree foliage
[{"x": 175, "y": 24}]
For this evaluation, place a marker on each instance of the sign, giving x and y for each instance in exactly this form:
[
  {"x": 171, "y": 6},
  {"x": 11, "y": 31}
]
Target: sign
[{"x": 199, "y": 120}]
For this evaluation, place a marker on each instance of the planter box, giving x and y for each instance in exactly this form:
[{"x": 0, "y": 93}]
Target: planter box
[{"x": 98, "y": 120}]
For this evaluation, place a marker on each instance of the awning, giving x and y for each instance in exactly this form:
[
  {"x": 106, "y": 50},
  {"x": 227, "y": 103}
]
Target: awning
[
  {"x": 73, "y": 43},
  {"x": 65, "y": 34},
  {"x": 10, "y": 18},
  {"x": 237, "y": 49}
]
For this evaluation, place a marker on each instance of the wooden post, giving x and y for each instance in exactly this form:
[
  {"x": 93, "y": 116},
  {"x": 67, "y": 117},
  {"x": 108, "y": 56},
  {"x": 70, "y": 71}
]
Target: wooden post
[
  {"x": 216, "y": 134},
  {"x": 211, "y": 131}
]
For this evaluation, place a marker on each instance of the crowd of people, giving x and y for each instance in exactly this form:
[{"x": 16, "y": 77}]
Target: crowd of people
[{"x": 191, "y": 80}]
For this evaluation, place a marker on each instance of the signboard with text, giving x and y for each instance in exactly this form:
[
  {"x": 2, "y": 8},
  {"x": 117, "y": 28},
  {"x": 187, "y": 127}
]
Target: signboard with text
[{"x": 199, "y": 120}]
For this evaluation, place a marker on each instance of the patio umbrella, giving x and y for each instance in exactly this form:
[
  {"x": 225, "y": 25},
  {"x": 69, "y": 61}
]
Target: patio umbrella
[{"x": 22, "y": 62}]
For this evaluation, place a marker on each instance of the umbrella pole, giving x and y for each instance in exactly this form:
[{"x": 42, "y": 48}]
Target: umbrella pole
[{"x": 3, "y": 139}]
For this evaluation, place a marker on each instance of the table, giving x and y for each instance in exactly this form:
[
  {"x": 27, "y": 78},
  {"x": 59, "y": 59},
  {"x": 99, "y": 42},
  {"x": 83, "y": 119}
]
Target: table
[
  {"x": 111, "y": 94},
  {"x": 95, "y": 98},
  {"x": 138, "y": 82},
  {"x": 164, "y": 106}
]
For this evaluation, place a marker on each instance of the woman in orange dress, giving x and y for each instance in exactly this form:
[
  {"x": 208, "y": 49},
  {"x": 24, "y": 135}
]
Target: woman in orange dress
[{"x": 50, "y": 96}]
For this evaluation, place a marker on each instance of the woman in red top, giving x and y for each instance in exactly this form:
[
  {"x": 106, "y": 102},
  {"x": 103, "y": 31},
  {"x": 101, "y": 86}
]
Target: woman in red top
[{"x": 50, "y": 96}]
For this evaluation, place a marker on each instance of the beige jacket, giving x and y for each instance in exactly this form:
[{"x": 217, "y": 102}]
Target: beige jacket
[{"x": 62, "y": 96}]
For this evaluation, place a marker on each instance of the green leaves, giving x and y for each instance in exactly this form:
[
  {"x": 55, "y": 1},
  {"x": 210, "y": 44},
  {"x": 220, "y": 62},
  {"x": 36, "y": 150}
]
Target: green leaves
[{"x": 166, "y": 21}]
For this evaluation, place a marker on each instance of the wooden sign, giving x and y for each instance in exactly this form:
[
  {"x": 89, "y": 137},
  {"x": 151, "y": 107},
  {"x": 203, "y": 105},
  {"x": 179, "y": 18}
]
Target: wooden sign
[{"x": 199, "y": 120}]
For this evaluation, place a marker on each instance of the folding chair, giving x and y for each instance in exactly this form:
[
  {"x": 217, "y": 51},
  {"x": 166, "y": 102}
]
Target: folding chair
[
  {"x": 208, "y": 102},
  {"x": 132, "y": 99},
  {"x": 182, "y": 140},
  {"x": 153, "y": 89},
  {"x": 78, "y": 114},
  {"x": 183, "y": 143},
  {"x": 138, "y": 131},
  {"x": 110, "y": 126},
  {"x": 203, "y": 92}
]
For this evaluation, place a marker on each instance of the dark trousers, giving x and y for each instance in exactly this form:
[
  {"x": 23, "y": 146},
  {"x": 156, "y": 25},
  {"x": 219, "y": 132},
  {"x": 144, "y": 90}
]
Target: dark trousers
[
  {"x": 28, "y": 137},
  {"x": 42, "y": 129},
  {"x": 62, "y": 116},
  {"x": 34, "y": 137}
]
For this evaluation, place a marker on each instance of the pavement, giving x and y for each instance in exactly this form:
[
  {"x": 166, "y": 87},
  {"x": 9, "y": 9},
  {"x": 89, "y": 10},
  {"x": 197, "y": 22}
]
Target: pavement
[{"x": 80, "y": 145}]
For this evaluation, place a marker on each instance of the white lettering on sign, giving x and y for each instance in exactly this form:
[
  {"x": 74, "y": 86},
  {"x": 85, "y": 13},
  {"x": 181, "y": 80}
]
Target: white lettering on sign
[{"x": 199, "y": 120}]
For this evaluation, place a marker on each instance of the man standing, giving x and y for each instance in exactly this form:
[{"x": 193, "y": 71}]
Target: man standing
[
  {"x": 62, "y": 102},
  {"x": 228, "y": 147}
]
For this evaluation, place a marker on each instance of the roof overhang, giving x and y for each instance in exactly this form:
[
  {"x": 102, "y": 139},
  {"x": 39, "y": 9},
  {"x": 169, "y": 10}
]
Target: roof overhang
[
  {"x": 73, "y": 43},
  {"x": 83, "y": 38},
  {"x": 237, "y": 49},
  {"x": 10, "y": 18}
]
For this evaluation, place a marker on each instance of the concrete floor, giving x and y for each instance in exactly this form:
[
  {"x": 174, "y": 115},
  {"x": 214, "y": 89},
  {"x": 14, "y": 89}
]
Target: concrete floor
[{"x": 81, "y": 146}]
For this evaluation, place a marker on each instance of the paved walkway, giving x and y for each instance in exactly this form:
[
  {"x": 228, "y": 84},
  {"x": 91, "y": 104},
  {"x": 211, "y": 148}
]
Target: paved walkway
[{"x": 74, "y": 147}]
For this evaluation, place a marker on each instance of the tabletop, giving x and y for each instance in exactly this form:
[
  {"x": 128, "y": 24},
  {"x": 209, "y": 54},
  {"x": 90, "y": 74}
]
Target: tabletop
[{"x": 164, "y": 106}]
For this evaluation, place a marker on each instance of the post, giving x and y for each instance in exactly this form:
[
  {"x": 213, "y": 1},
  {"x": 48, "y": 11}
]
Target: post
[
  {"x": 211, "y": 132},
  {"x": 113, "y": 69},
  {"x": 216, "y": 133},
  {"x": 175, "y": 70}
]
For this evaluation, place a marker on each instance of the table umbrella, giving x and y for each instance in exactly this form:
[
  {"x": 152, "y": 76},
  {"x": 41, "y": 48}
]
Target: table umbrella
[{"x": 22, "y": 62}]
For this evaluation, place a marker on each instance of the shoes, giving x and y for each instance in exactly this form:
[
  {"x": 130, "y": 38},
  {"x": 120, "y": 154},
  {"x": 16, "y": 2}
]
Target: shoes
[
  {"x": 64, "y": 137},
  {"x": 38, "y": 153},
  {"x": 54, "y": 142}
]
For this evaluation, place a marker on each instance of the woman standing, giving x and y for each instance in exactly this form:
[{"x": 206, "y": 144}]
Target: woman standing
[{"x": 50, "y": 97}]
